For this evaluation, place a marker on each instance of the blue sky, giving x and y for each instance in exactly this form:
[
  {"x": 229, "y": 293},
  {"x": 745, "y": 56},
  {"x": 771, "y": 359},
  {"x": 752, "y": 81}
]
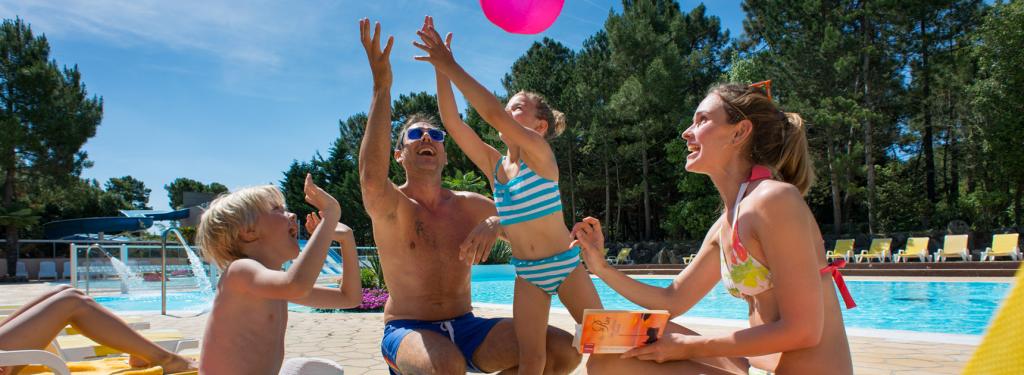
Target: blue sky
[{"x": 234, "y": 91}]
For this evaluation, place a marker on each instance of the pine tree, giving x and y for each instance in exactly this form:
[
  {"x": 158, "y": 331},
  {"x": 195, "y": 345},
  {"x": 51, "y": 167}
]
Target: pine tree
[{"x": 46, "y": 116}]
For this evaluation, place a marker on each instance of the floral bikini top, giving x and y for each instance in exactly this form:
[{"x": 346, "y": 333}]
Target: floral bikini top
[
  {"x": 745, "y": 276},
  {"x": 741, "y": 273}
]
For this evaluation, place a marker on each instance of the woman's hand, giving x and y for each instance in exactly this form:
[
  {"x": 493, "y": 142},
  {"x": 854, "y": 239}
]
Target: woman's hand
[
  {"x": 380, "y": 61},
  {"x": 439, "y": 53},
  {"x": 670, "y": 347},
  {"x": 590, "y": 239}
]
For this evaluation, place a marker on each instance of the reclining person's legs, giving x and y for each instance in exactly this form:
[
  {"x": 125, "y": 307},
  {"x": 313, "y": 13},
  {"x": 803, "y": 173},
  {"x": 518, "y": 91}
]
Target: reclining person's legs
[
  {"x": 34, "y": 301},
  {"x": 36, "y": 326}
]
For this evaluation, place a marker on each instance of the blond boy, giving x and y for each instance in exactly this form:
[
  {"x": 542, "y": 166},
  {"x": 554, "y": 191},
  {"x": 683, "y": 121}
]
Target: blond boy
[{"x": 248, "y": 234}]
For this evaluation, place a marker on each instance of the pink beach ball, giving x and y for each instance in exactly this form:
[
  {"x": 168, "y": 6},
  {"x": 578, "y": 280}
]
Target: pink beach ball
[{"x": 522, "y": 16}]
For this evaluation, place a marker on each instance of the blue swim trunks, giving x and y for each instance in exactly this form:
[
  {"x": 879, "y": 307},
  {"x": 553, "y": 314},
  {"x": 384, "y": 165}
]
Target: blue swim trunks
[{"x": 467, "y": 332}]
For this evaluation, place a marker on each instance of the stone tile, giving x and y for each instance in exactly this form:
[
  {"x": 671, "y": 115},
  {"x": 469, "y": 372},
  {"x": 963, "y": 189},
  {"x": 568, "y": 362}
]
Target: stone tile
[
  {"x": 913, "y": 363},
  {"x": 353, "y": 340}
]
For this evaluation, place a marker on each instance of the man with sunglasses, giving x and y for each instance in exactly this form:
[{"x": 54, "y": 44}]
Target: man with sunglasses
[{"x": 428, "y": 238}]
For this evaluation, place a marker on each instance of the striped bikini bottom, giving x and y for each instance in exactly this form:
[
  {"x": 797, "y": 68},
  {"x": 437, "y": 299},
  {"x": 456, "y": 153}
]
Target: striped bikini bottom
[{"x": 548, "y": 273}]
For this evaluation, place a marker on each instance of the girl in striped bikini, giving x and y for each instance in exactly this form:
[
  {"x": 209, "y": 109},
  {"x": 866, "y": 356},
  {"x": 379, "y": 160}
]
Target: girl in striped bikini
[{"x": 525, "y": 183}]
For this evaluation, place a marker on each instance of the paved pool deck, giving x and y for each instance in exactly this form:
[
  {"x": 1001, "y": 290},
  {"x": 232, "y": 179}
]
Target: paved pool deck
[{"x": 353, "y": 339}]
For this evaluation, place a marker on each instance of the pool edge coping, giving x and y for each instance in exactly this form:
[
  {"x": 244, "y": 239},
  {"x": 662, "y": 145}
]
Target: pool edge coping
[
  {"x": 911, "y": 279},
  {"x": 886, "y": 334}
]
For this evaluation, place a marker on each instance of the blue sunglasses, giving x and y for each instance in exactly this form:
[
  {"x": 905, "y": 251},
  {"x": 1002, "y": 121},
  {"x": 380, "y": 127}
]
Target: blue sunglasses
[{"x": 416, "y": 134}]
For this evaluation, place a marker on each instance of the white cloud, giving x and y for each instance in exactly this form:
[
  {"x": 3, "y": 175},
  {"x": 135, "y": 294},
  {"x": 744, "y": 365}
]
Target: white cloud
[{"x": 234, "y": 32}]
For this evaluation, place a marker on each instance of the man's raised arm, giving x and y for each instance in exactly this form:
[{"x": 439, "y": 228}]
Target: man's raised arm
[{"x": 380, "y": 196}]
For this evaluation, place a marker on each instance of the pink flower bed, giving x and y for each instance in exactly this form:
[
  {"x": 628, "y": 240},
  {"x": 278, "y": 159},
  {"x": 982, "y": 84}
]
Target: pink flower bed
[{"x": 373, "y": 299}]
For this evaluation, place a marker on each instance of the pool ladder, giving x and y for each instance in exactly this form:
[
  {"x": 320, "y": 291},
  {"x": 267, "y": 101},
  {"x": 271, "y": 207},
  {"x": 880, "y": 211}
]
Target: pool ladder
[{"x": 88, "y": 266}]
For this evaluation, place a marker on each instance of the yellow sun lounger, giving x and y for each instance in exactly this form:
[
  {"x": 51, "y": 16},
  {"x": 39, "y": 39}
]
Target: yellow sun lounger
[
  {"x": 843, "y": 249},
  {"x": 55, "y": 366},
  {"x": 8, "y": 309},
  {"x": 1001, "y": 347},
  {"x": 917, "y": 247},
  {"x": 879, "y": 250},
  {"x": 954, "y": 246},
  {"x": 1003, "y": 245},
  {"x": 622, "y": 258},
  {"x": 78, "y": 347},
  {"x": 133, "y": 322}
]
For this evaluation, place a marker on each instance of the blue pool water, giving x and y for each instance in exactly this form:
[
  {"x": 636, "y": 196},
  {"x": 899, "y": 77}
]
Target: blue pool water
[
  {"x": 944, "y": 307},
  {"x": 144, "y": 287},
  {"x": 149, "y": 302}
]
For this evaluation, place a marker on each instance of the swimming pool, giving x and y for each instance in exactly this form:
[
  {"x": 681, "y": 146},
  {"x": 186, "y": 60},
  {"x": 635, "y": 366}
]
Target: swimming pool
[
  {"x": 173, "y": 283},
  {"x": 943, "y": 307}
]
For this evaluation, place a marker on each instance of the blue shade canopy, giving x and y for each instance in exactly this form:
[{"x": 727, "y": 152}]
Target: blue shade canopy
[
  {"x": 66, "y": 228},
  {"x": 158, "y": 214}
]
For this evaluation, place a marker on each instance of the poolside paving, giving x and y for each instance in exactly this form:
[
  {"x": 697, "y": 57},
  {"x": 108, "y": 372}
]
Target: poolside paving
[{"x": 354, "y": 339}]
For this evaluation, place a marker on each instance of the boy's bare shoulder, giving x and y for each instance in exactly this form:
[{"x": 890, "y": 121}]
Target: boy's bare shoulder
[{"x": 240, "y": 273}]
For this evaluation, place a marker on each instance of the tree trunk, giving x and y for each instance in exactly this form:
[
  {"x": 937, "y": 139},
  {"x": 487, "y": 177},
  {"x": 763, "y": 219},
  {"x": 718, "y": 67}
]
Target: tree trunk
[
  {"x": 12, "y": 231},
  {"x": 1017, "y": 202},
  {"x": 943, "y": 171},
  {"x": 868, "y": 126},
  {"x": 954, "y": 168},
  {"x": 927, "y": 147},
  {"x": 607, "y": 188},
  {"x": 972, "y": 160},
  {"x": 950, "y": 175},
  {"x": 572, "y": 179},
  {"x": 618, "y": 201},
  {"x": 848, "y": 173},
  {"x": 647, "y": 194},
  {"x": 869, "y": 159},
  {"x": 837, "y": 211}
]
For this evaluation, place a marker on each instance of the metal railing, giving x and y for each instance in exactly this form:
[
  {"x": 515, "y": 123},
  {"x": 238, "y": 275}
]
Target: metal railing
[
  {"x": 163, "y": 265},
  {"x": 88, "y": 265},
  {"x": 122, "y": 248}
]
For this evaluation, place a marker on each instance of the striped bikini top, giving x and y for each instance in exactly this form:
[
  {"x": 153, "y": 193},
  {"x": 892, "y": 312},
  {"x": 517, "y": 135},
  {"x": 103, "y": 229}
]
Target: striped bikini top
[{"x": 525, "y": 197}]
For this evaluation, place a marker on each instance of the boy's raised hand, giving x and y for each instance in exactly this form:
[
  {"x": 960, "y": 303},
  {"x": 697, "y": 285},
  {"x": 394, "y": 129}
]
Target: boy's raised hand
[
  {"x": 320, "y": 199},
  {"x": 313, "y": 219},
  {"x": 380, "y": 61}
]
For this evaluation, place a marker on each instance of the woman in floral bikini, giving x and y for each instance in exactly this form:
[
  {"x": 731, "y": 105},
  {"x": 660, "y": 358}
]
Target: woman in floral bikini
[{"x": 767, "y": 251}]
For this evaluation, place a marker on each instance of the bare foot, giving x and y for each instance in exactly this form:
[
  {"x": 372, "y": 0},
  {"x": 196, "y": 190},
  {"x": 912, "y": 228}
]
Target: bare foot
[{"x": 137, "y": 361}]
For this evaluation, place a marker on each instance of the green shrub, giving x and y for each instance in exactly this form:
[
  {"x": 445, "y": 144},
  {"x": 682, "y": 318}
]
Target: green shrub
[
  {"x": 501, "y": 253},
  {"x": 373, "y": 276},
  {"x": 367, "y": 278}
]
